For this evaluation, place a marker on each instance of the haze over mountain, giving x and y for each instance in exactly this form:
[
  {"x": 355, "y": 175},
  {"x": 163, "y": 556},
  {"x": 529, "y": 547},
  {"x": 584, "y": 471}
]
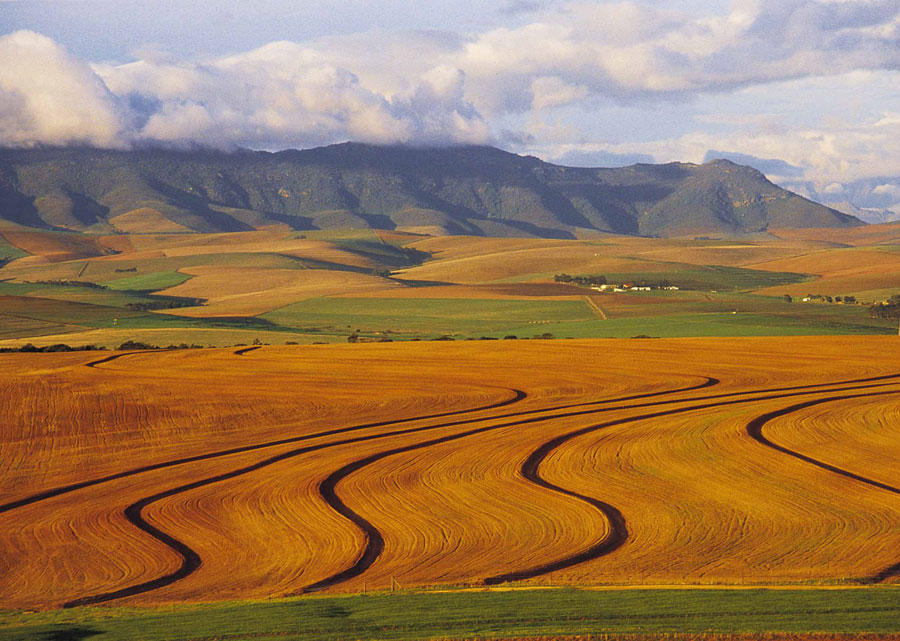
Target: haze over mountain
[{"x": 458, "y": 190}]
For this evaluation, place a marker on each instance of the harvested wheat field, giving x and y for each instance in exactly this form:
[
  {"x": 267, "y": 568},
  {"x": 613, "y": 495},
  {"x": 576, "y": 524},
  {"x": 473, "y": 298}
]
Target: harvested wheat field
[{"x": 220, "y": 474}]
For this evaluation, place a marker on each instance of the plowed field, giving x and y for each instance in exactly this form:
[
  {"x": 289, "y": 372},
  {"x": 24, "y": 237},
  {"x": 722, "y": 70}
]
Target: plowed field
[{"x": 198, "y": 475}]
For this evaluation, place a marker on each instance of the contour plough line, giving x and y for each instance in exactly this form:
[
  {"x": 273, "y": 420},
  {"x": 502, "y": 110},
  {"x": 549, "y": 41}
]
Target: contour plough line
[
  {"x": 755, "y": 431},
  {"x": 191, "y": 560},
  {"x": 518, "y": 395},
  {"x": 258, "y": 446},
  {"x": 245, "y": 350},
  {"x": 107, "y": 359},
  {"x": 618, "y": 532},
  {"x": 611, "y": 540},
  {"x": 374, "y": 542}
]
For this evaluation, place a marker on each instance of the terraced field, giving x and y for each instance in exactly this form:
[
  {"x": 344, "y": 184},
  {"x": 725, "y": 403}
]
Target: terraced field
[{"x": 141, "y": 478}]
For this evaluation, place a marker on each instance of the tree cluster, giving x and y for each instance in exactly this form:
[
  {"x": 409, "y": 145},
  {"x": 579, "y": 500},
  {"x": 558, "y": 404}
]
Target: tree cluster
[
  {"x": 58, "y": 347},
  {"x": 889, "y": 309},
  {"x": 580, "y": 280},
  {"x": 69, "y": 283},
  {"x": 162, "y": 304}
]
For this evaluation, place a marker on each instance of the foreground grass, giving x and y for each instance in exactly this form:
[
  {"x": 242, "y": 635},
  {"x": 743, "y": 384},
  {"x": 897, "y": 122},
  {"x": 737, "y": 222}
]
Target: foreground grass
[{"x": 481, "y": 615}]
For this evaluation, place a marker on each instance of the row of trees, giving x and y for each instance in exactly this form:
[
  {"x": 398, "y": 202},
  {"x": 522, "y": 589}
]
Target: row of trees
[
  {"x": 170, "y": 303},
  {"x": 850, "y": 300},
  {"x": 68, "y": 283},
  {"x": 580, "y": 280}
]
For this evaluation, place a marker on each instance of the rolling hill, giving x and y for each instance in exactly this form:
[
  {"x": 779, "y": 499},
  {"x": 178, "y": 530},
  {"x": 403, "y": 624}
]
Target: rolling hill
[{"x": 479, "y": 191}]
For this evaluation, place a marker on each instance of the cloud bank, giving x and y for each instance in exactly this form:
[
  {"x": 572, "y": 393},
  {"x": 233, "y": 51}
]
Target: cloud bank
[{"x": 435, "y": 88}]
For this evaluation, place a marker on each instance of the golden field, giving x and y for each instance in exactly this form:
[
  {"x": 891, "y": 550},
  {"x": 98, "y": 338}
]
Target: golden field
[{"x": 218, "y": 474}]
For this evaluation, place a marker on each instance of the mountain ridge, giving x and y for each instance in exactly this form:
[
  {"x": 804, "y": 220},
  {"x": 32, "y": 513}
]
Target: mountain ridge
[{"x": 475, "y": 190}]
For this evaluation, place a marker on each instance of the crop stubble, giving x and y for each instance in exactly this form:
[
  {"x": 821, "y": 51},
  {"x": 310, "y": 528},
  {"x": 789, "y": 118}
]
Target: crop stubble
[{"x": 277, "y": 470}]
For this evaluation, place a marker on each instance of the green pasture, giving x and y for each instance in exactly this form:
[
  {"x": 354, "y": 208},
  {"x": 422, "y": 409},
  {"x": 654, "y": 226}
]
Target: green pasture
[
  {"x": 148, "y": 282},
  {"x": 425, "y": 316},
  {"x": 712, "y": 277},
  {"x": 8, "y": 250},
  {"x": 713, "y": 324},
  {"x": 414, "y": 616}
]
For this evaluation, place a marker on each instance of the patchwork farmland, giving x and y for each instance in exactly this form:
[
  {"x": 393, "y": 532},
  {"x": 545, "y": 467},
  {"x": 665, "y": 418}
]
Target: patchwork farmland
[
  {"x": 277, "y": 286},
  {"x": 139, "y": 478}
]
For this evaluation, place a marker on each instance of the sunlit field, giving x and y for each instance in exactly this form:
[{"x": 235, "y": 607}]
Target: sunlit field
[{"x": 198, "y": 475}]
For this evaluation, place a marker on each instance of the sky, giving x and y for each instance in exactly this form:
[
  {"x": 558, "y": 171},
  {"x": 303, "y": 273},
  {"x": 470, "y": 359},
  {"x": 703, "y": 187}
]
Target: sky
[{"x": 808, "y": 91}]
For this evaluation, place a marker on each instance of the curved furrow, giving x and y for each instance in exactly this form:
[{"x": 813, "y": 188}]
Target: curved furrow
[
  {"x": 518, "y": 395},
  {"x": 530, "y": 471},
  {"x": 107, "y": 359},
  {"x": 755, "y": 431},
  {"x": 191, "y": 561},
  {"x": 618, "y": 532},
  {"x": 374, "y": 540},
  {"x": 709, "y": 382},
  {"x": 245, "y": 350}
]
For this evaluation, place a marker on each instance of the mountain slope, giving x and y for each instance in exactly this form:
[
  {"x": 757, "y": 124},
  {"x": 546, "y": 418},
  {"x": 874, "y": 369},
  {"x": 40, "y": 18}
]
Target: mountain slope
[{"x": 462, "y": 190}]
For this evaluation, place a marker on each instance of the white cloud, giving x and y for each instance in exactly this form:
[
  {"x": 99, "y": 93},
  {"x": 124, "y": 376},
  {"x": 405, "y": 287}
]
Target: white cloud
[
  {"x": 47, "y": 96},
  {"x": 433, "y": 87},
  {"x": 280, "y": 95}
]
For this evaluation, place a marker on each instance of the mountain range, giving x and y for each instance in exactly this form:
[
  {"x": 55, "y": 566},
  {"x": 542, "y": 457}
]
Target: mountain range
[{"x": 474, "y": 190}]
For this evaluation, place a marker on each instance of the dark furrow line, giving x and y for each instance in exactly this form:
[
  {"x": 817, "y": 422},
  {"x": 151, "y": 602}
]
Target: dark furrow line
[
  {"x": 374, "y": 542},
  {"x": 618, "y": 533},
  {"x": 755, "y": 431},
  {"x": 343, "y": 430},
  {"x": 107, "y": 359},
  {"x": 191, "y": 561},
  {"x": 57, "y": 491},
  {"x": 244, "y": 350},
  {"x": 615, "y": 538},
  {"x": 519, "y": 395}
]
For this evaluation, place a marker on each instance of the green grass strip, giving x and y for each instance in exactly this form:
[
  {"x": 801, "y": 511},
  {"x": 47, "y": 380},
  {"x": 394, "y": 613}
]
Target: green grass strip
[{"x": 480, "y": 615}]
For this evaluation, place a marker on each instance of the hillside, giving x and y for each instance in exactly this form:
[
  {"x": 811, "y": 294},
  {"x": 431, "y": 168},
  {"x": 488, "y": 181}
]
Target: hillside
[{"x": 463, "y": 190}]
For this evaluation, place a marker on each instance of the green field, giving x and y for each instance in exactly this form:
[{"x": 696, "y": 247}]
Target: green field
[
  {"x": 712, "y": 277},
  {"x": 150, "y": 282},
  {"x": 10, "y": 251},
  {"x": 479, "y": 615},
  {"x": 426, "y": 316},
  {"x": 712, "y": 324}
]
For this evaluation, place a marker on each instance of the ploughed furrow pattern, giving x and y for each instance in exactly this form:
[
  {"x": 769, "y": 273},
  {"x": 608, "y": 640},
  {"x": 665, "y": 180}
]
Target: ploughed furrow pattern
[
  {"x": 114, "y": 357},
  {"x": 149, "y": 481},
  {"x": 614, "y": 537},
  {"x": 755, "y": 430},
  {"x": 517, "y": 396},
  {"x": 190, "y": 559},
  {"x": 375, "y": 544},
  {"x": 611, "y": 540}
]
